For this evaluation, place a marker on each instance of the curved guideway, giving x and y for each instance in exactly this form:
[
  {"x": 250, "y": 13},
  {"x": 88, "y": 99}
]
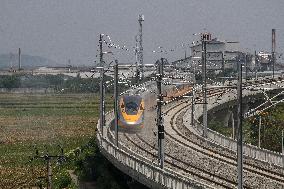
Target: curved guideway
[
  {"x": 139, "y": 165},
  {"x": 190, "y": 160},
  {"x": 216, "y": 159},
  {"x": 250, "y": 151}
]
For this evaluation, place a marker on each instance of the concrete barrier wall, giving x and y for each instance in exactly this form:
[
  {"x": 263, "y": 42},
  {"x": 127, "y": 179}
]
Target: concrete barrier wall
[
  {"x": 142, "y": 169},
  {"x": 249, "y": 150},
  {"x": 219, "y": 139}
]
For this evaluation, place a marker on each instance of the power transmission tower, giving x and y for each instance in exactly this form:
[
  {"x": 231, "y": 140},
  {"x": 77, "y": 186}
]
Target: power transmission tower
[
  {"x": 161, "y": 133},
  {"x": 140, "y": 47}
]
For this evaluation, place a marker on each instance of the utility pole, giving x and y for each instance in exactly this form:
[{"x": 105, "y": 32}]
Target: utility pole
[
  {"x": 282, "y": 145},
  {"x": 192, "y": 105},
  {"x": 49, "y": 173},
  {"x": 11, "y": 61},
  {"x": 204, "y": 38},
  {"x": 233, "y": 125},
  {"x": 256, "y": 64},
  {"x": 223, "y": 68},
  {"x": 246, "y": 64},
  {"x": 102, "y": 101},
  {"x": 116, "y": 101},
  {"x": 48, "y": 158},
  {"x": 137, "y": 76},
  {"x": 161, "y": 134},
  {"x": 193, "y": 96},
  {"x": 259, "y": 127},
  {"x": 102, "y": 88},
  {"x": 20, "y": 59},
  {"x": 273, "y": 49},
  {"x": 101, "y": 50},
  {"x": 140, "y": 51},
  {"x": 240, "y": 128}
]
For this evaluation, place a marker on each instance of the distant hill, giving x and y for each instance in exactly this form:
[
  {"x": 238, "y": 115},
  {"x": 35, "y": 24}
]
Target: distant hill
[{"x": 28, "y": 61}]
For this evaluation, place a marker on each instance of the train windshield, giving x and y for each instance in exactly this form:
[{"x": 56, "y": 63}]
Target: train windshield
[
  {"x": 131, "y": 108},
  {"x": 132, "y": 104}
]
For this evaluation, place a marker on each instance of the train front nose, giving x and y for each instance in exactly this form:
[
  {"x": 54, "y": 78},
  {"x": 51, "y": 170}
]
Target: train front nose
[{"x": 131, "y": 111}]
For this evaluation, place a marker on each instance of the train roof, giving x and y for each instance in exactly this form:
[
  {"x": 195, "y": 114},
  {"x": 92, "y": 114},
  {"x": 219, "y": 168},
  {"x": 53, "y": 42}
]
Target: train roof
[{"x": 147, "y": 88}]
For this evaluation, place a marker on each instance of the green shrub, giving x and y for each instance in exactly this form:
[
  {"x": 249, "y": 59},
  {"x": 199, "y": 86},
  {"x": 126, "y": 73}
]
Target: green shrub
[{"x": 62, "y": 179}]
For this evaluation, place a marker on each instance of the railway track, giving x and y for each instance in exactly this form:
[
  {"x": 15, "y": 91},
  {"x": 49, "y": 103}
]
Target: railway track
[
  {"x": 185, "y": 133},
  {"x": 184, "y": 137},
  {"x": 201, "y": 148},
  {"x": 184, "y": 166},
  {"x": 175, "y": 163},
  {"x": 231, "y": 164},
  {"x": 230, "y": 156}
]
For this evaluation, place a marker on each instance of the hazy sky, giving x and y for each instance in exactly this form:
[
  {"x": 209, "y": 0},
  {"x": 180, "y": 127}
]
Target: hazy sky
[{"x": 69, "y": 29}]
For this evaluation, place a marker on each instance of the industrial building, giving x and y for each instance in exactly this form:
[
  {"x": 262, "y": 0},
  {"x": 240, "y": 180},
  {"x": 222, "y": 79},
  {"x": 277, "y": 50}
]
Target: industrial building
[{"x": 219, "y": 55}]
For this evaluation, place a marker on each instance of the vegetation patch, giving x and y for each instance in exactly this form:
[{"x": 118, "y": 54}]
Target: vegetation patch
[
  {"x": 41, "y": 122},
  {"x": 272, "y": 124}
]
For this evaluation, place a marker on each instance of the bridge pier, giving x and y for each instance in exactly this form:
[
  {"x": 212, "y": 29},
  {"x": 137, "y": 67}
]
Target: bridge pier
[
  {"x": 245, "y": 108},
  {"x": 226, "y": 118}
]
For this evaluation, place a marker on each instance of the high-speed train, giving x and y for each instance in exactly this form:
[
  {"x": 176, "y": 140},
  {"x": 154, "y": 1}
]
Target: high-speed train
[
  {"x": 131, "y": 112},
  {"x": 132, "y": 107}
]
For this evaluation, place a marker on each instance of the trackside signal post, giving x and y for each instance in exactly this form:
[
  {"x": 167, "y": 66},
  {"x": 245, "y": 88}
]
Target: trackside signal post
[{"x": 161, "y": 132}]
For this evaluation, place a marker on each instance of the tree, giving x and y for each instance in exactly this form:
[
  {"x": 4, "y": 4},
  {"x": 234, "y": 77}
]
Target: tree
[{"x": 10, "y": 82}]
